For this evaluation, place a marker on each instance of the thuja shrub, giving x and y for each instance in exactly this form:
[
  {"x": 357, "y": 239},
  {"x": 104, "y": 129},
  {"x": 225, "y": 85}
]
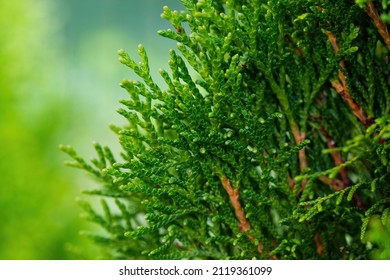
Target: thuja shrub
[{"x": 268, "y": 141}]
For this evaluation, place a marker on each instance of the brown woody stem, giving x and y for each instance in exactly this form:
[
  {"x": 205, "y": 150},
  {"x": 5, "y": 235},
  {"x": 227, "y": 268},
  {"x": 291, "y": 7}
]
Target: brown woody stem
[
  {"x": 335, "y": 183},
  {"x": 299, "y": 137},
  {"x": 341, "y": 87},
  {"x": 379, "y": 24},
  {"x": 244, "y": 224},
  {"x": 337, "y": 159},
  {"x": 238, "y": 210},
  {"x": 319, "y": 244}
]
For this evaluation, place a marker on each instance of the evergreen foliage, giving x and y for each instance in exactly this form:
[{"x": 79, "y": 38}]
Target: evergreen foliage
[{"x": 270, "y": 140}]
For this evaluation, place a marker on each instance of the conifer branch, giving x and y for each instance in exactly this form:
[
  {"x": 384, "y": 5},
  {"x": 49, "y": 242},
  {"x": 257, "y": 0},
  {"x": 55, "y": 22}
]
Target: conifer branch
[
  {"x": 341, "y": 85},
  {"x": 299, "y": 137},
  {"x": 379, "y": 24},
  {"x": 291, "y": 182},
  {"x": 319, "y": 244},
  {"x": 337, "y": 159},
  {"x": 345, "y": 180},
  {"x": 336, "y": 184},
  {"x": 238, "y": 210},
  {"x": 244, "y": 224}
]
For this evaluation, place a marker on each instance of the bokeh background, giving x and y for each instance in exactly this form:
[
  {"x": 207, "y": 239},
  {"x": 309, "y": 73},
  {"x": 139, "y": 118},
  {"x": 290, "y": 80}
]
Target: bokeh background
[{"x": 59, "y": 84}]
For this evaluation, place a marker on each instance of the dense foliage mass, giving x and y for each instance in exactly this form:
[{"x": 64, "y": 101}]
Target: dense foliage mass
[{"x": 269, "y": 141}]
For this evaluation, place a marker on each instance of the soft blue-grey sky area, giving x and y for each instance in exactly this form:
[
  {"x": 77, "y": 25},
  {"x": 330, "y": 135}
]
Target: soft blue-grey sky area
[{"x": 92, "y": 33}]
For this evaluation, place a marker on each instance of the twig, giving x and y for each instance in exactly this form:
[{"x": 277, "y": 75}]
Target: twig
[
  {"x": 299, "y": 137},
  {"x": 338, "y": 160},
  {"x": 244, "y": 224},
  {"x": 342, "y": 88},
  {"x": 291, "y": 182},
  {"x": 379, "y": 24},
  {"x": 319, "y": 244},
  {"x": 238, "y": 210},
  {"x": 336, "y": 184}
]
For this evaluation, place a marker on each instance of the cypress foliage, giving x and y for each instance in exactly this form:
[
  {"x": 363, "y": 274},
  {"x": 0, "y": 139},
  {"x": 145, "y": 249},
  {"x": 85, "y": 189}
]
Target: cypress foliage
[{"x": 269, "y": 141}]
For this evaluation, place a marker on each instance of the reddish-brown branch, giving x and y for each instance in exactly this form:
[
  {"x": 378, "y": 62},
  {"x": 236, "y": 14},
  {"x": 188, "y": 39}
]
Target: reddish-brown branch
[
  {"x": 333, "y": 42},
  {"x": 338, "y": 185},
  {"x": 379, "y": 24},
  {"x": 291, "y": 182},
  {"x": 341, "y": 86},
  {"x": 244, "y": 224},
  {"x": 334, "y": 183},
  {"x": 238, "y": 210},
  {"x": 319, "y": 244},
  {"x": 343, "y": 91},
  {"x": 299, "y": 137},
  {"x": 338, "y": 160}
]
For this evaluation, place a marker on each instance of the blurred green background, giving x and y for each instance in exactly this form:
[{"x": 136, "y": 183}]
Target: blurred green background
[{"x": 59, "y": 84}]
